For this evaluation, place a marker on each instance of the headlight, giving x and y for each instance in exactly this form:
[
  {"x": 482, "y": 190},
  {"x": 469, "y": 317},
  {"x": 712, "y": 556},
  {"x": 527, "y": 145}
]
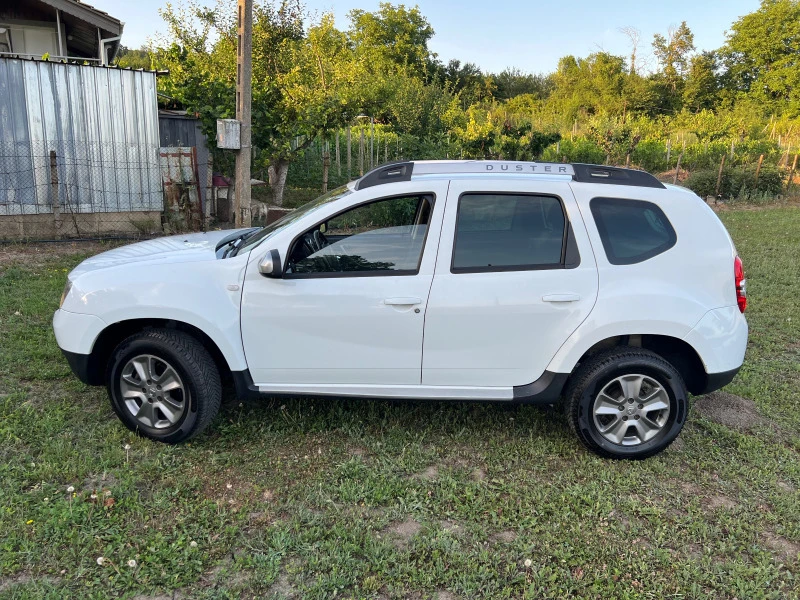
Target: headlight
[{"x": 67, "y": 288}]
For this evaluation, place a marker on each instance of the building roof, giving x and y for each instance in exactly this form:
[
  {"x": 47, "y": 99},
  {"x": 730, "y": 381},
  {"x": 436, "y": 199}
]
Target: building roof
[{"x": 89, "y": 14}]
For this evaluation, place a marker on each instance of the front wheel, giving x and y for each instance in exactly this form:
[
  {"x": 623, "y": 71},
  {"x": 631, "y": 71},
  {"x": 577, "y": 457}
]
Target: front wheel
[
  {"x": 164, "y": 385},
  {"x": 627, "y": 403}
]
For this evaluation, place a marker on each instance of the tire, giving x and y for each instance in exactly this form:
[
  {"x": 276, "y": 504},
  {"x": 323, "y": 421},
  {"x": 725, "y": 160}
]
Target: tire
[
  {"x": 187, "y": 401},
  {"x": 609, "y": 420}
]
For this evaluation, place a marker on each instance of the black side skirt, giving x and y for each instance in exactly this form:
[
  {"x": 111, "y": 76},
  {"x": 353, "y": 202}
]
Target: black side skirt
[{"x": 545, "y": 390}]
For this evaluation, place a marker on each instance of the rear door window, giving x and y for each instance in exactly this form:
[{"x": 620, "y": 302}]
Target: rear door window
[
  {"x": 508, "y": 232},
  {"x": 632, "y": 231}
]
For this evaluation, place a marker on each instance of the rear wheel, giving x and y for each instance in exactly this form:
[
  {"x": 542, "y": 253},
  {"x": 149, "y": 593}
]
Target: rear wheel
[
  {"x": 627, "y": 403},
  {"x": 164, "y": 385}
]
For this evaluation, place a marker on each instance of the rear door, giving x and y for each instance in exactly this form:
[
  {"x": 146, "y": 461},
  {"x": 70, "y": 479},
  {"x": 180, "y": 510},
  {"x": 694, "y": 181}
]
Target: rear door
[{"x": 515, "y": 276}]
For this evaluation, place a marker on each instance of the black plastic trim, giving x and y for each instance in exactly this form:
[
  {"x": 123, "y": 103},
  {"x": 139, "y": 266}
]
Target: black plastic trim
[
  {"x": 585, "y": 173},
  {"x": 545, "y": 390},
  {"x": 245, "y": 388},
  {"x": 715, "y": 381},
  {"x": 80, "y": 365},
  {"x": 391, "y": 173}
]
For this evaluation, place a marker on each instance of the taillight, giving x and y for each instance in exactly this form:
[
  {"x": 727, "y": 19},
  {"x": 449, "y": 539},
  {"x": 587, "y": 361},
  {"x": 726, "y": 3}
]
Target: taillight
[{"x": 741, "y": 284}]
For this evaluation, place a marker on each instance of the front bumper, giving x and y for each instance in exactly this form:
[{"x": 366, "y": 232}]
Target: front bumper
[
  {"x": 79, "y": 363},
  {"x": 76, "y": 332}
]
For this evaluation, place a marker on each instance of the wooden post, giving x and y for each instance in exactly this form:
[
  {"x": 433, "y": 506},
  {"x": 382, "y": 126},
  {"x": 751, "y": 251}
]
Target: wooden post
[
  {"x": 628, "y": 160},
  {"x": 669, "y": 150},
  {"x": 677, "y": 169},
  {"x": 733, "y": 147},
  {"x": 791, "y": 173},
  {"x": 385, "y": 149},
  {"x": 361, "y": 151},
  {"x": 371, "y": 144},
  {"x": 54, "y": 193},
  {"x": 349, "y": 169},
  {"x": 758, "y": 167},
  {"x": 719, "y": 177},
  {"x": 326, "y": 165},
  {"x": 338, "y": 157},
  {"x": 244, "y": 95}
]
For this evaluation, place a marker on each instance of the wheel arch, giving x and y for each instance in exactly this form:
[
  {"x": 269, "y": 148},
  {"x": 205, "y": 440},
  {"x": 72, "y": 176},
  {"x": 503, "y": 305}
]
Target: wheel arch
[
  {"x": 679, "y": 353},
  {"x": 115, "y": 333}
]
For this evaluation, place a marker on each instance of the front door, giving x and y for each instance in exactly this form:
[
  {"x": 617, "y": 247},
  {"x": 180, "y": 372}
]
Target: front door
[
  {"x": 515, "y": 276},
  {"x": 350, "y": 308}
]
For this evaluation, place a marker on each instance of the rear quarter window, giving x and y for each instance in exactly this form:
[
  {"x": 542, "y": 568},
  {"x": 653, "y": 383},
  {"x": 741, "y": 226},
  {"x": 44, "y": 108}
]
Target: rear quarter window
[{"x": 632, "y": 231}]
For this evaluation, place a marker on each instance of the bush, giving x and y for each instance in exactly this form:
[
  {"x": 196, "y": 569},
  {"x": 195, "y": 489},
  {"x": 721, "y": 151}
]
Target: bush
[
  {"x": 738, "y": 183},
  {"x": 702, "y": 182}
]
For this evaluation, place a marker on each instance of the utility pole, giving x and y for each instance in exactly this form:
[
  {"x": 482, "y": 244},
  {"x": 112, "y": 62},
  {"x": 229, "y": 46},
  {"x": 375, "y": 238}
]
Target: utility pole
[{"x": 244, "y": 96}]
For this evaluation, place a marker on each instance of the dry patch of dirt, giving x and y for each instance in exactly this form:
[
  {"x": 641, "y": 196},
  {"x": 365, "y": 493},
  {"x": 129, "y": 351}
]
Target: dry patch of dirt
[
  {"x": 282, "y": 588},
  {"x": 787, "y": 550},
  {"x": 677, "y": 446},
  {"x": 478, "y": 474},
  {"x": 450, "y": 526},
  {"x": 431, "y": 472},
  {"x": 729, "y": 410},
  {"x": 401, "y": 533},
  {"x": 443, "y": 595},
  {"x": 102, "y": 481},
  {"x": 6, "y": 583},
  {"x": 720, "y": 501},
  {"x": 786, "y": 486},
  {"x": 505, "y": 537},
  {"x": 35, "y": 255}
]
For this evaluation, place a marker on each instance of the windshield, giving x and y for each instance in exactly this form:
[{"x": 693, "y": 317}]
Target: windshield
[{"x": 253, "y": 240}]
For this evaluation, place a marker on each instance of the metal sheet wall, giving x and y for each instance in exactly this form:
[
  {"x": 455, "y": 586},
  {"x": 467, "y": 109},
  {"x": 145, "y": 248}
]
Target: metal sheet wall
[{"x": 102, "y": 124}]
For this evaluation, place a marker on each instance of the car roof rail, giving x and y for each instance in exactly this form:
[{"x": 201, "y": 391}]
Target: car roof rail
[
  {"x": 582, "y": 173},
  {"x": 614, "y": 175}
]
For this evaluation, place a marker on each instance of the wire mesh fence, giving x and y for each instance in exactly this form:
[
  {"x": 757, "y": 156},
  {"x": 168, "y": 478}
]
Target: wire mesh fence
[{"x": 63, "y": 189}]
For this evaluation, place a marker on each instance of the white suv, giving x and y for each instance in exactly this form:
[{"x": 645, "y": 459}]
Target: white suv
[{"x": 442, "y": 280}]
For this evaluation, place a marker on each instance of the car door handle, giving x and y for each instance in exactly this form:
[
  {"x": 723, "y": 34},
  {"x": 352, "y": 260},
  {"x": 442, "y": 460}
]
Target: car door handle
[
  {"x": 561, "y": 298},
  {"x": 402, "y": 301}
]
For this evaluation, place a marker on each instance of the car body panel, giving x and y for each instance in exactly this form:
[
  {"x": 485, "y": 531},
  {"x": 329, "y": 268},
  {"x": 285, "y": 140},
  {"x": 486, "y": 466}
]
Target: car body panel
[
  {"x": 339, "y": 330},
  {"x": 501, "y": 328}
]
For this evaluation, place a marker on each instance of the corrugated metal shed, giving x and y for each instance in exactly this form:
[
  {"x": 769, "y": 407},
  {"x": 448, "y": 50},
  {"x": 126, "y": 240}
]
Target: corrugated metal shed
[{"x": 101, "y": 122}]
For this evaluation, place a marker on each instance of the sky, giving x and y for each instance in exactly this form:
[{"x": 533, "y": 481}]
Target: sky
[{"x": 530, "y": 36}]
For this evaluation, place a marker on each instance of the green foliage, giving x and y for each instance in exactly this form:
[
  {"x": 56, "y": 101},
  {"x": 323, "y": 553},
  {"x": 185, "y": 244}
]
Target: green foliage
[
  {"x": 312, "y": 80},
  {"x": 762, "y": 55},
  {"x": 738, "y": 183}
]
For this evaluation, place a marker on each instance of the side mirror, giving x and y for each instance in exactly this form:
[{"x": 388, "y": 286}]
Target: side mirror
[{"x": 270, "y": 265}]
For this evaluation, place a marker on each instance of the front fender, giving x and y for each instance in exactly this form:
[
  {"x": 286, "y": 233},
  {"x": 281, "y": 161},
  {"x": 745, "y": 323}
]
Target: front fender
[{"x": 205, "y": 295}]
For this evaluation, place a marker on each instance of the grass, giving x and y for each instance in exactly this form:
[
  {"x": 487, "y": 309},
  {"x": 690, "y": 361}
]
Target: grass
[{"x": 357, "y": 499}]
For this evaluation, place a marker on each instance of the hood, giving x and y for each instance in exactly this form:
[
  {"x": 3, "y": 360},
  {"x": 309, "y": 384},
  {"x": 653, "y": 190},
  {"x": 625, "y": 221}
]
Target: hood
[{"x": 192, "y": 247}]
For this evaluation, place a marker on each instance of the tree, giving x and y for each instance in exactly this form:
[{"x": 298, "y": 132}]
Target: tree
[
  {"x": 701, "y": 90},
  {"x": 303, "y": 83},
  {"x": 634, "y": 35},
  {"x": 513, "y": 82},
  {"x": 131, "y": 58},
  {"x": 762, "y": 55},
  {"x": 393, "y": 34},
  {"x": 673, "y": 53}
]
